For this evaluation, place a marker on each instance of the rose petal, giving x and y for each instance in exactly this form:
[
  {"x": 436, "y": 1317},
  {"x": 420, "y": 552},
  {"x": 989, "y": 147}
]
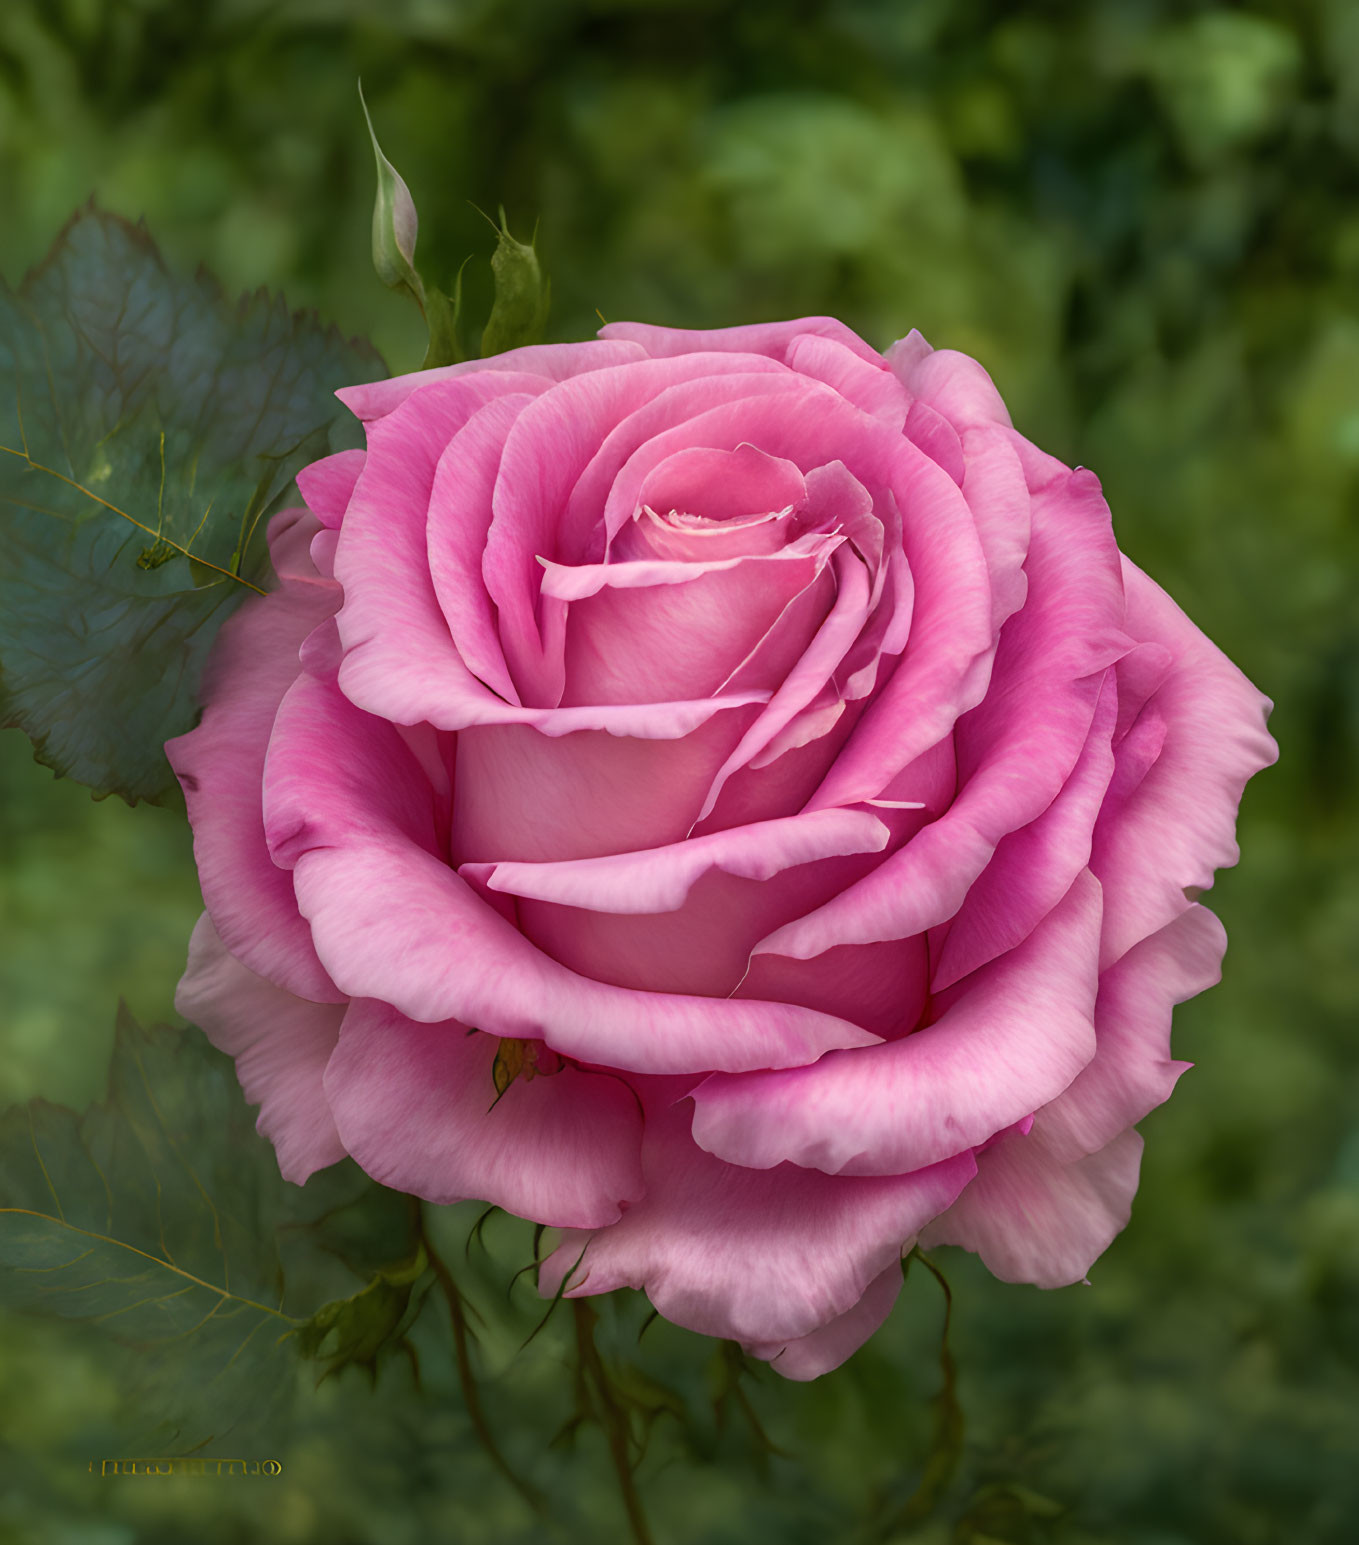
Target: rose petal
[
  {"x": 281, "y": 1045},
  {"x": 1033, "y": 1219},
  {"x": 659, "y": 879},
  {"x": 1178, "y": 825},
  {"x": 1034, "y": 867},
  {"x": 1015, "y": 750},
  {"x": 347, "y": 808},
  {"x": 549, "y": 361},
  {"x": 1008, "y": 1040},
  {"x": 870, "y": 386},
  {"x": 221, "y": 763},
  {"x": 327, "y": 485},
  {"x": 773, "y": 339},
  {"x": 1132, "y": 1071},
  {"x": 954, "y": 384},
  {"x": 748, "y": 1254},
  {"x": 808, "y": 1357},
  {"x": 417, "y": 1107},
  {"x": 459, "y": 518}
]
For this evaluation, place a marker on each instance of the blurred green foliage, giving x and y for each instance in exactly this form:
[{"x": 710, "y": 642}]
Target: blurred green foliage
[{"x": 1143, "y": 217}]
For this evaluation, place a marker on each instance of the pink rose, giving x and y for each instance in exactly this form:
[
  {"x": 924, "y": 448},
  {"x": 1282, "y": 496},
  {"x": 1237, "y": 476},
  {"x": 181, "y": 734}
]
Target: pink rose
[{"x": 757, "y": 759}]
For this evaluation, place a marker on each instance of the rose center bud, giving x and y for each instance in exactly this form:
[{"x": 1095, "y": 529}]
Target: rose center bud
[{"x": 714, "y": 583}]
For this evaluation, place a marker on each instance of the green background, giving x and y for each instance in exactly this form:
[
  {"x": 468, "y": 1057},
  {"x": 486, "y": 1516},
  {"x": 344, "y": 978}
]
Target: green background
[{"x": 1143, "y": 218}]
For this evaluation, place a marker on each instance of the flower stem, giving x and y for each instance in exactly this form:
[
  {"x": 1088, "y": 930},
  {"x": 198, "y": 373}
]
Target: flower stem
[
  {"x": 613, "y": 1420},
  {"x": 467, "y": 1378}
]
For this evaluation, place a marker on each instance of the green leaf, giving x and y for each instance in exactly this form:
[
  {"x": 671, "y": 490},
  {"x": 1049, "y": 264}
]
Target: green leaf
[
  {"x": 148, "y": 1219},
  {"x": 395, "y": 222},
  {"x": 357, "y": 1330},
  {"x": 147, "y": 428},
  {"x": 519, "y": 312},
  {"x": 158, "y": 1221}
]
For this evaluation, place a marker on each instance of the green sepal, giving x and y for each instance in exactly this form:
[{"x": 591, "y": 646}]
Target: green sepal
[
  {"x": 522, "y": 294},
  {"x": 442, "y": 313}
]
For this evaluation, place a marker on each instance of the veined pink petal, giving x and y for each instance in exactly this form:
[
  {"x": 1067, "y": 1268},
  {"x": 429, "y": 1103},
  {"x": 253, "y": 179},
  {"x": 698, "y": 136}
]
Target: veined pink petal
[
  {"x": 933, "y": 433},
  {"x": 1008, "y": 1040},
  {"x": 1132, "y": 1071},
  {"x": 550, "y": 361},
  {"x": 347, "y": 808},
  {"x": 659, "y": 879},
  {"x": 220, "y": 765},
  {"x": 773, "y": 339},
  {"x": 459, "y": 518},
  {"x": 869, "y": 385},
  {"x": 953, "y": 384},
  {"x": 1178, "y": 825},
  {"x": 400, "y": 656},
  {"x": 754, "y": 1255},
  {"x": 417, "y": 1107},
  {"x": 1033, "y": 868},
  {"x": 280, "y": 1044},
  {"x": 1015, "y": 750},
  {"x": 327, "y": 485},
  {"x": 808, "y": 1357},
  {"x": 1033, "y": 1219}
]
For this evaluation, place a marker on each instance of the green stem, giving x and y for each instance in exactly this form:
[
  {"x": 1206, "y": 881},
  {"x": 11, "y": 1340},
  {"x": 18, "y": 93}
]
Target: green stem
[
  {"x": 467, "y": 1378},
  {"x": 613, "y": 1420}
]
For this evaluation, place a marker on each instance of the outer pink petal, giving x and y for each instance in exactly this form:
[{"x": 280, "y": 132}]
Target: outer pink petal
[
  {"x": 281, "y": 1045},
  {"x": 1033, "y": 1219},
  {"x": 1033, "y": 868},
  {"x": 660, "y": 879},
  {"x": 869, "y": 385},
  {"x": 221, "y": 764},
  {"x": 808, "y": 1357},
  {"x": 459, "y": 518},
  {"x": 1009, "y": 1039},
  {"x": 349, "y": 808},
  {"x": 550, "y": 361},
  {"x": 417, "y": 1107},
  {"x": 327, "y": 485},
  {"x": 772, "y": 339},
  {"x": 1179, "y": 824},
  {"x": 953, "y": 384},
  {"x": 1132, "y": 1071},
  {"x": 749, "y": 1254}
]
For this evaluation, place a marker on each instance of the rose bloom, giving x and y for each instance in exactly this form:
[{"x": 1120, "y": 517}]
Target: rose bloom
[{"x": 725, "y": 796}]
